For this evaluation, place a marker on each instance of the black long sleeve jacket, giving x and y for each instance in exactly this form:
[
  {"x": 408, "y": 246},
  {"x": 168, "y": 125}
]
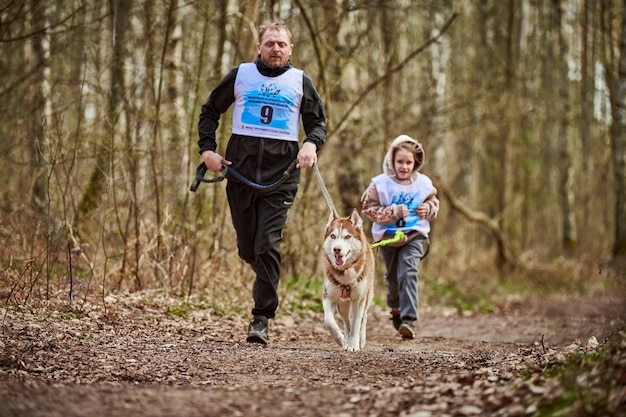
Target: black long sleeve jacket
[{"x": 261, "y": 160}]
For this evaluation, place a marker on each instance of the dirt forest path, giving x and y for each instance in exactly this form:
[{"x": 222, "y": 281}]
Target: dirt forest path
[{"x": 140, "y": 361}]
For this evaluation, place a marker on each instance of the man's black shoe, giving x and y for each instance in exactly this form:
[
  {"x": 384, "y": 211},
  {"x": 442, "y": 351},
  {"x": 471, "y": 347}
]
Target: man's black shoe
[{"x": 257, "y": 332}]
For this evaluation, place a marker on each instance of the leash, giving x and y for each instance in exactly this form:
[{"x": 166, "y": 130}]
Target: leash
[
  {"x": 399, "y": 235},
  {"x": 202, "y": 169},
  {"x": 320, "y": 181}
]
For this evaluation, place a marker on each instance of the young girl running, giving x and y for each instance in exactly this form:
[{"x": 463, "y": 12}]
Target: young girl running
[{"x": 402, "y": 199}]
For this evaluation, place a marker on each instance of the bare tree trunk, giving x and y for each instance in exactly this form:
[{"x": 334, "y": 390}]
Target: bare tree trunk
[
  {"x": 246, "y": 36},
  {"x": 119, "y": 20},
  {"x": 158, "y": 161},
  {"x": 503, "y": 134},
  {"x": 39, "y": 200},
  {"x": 505, "y": 158},
  {"x": 586, "y": 107},
  {"x": 618, "y": 133},
  {"x": 37, "y": 118},
  {"x": 392, "y": 43},
  {"x": 569, "y": 237}
]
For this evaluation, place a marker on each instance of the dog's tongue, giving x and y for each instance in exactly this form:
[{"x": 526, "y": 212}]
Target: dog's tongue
[{"x": 339, "y": 260}]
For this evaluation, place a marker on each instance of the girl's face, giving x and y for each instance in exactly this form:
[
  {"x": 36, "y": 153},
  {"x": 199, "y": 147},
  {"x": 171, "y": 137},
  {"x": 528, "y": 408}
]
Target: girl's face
[{"x": 403, "y": 164}]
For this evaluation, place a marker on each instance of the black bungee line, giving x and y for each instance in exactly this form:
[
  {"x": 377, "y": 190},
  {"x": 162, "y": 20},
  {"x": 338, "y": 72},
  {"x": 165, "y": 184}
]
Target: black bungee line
[{"x": 228, "y": 170}]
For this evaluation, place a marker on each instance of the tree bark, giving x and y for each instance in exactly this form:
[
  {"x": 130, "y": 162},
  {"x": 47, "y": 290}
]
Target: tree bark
[
  {"x": 104, "y": 153},
  {"x": 618, "y": 133},
  {"x": 37, "y": 119},
  {"x": 569, "y": 234}
]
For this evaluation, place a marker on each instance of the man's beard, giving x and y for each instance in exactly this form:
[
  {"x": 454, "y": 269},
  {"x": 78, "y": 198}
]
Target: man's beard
[{"x": 275, "y": 63}]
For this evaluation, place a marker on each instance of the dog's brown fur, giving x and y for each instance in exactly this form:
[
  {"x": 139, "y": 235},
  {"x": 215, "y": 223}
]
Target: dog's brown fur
[{"x": 348, "y": 279}]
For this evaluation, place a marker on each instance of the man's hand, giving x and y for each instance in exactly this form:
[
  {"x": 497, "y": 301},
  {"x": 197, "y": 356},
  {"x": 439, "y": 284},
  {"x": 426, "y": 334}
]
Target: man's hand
[
  {"x": 214, "y": 161},
  {"x": 307, "y": 156}
]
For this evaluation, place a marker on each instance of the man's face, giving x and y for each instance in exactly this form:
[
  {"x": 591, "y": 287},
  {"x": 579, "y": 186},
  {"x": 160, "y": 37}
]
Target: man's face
[{"x": 275, "y": 48}]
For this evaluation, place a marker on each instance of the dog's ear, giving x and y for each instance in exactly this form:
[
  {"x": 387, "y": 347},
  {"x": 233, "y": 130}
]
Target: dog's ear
[
  {"x": 356, "y": 219},
  {"x": 333, "y": 215}
]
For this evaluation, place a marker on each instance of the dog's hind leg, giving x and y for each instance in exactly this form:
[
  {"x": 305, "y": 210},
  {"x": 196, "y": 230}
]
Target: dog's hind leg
[{"x": 331, "y": 323}]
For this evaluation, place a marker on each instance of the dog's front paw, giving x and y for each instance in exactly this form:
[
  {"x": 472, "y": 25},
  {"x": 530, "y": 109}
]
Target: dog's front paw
[{"x": 351, "y": 346}]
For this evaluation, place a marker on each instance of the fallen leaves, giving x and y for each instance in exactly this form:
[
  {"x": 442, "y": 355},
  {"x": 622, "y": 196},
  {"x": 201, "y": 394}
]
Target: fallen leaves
[{"x": 132, "y": 355}]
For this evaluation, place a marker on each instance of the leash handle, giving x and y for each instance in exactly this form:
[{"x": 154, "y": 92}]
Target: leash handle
[
  {"x": 399, "y": 235},
  {"x": 200, "y": 172}
]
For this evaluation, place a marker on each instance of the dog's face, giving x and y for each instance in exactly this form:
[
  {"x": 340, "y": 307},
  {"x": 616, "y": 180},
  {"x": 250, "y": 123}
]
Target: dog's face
[{"x": 343, "y": 239}]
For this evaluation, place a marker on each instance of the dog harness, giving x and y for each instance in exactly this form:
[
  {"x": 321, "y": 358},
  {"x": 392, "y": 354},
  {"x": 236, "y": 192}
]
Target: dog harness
[{"x": 345, "y": 290}]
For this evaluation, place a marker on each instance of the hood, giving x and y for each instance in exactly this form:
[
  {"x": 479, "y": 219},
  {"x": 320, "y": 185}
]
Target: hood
[{"x": 388, "y": 161}]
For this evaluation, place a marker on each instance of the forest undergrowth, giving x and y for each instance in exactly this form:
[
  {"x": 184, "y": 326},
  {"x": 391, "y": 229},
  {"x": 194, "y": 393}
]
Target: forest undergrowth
[{"x": 584, "y": 377}]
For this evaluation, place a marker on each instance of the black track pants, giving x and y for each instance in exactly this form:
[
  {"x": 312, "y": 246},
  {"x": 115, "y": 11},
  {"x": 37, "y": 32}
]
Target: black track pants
[{"x": 259, "y": 219}]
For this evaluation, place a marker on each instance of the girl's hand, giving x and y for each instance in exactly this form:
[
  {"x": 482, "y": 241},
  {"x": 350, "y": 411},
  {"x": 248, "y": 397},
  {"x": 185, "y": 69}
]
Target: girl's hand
[
  {"x": 402, "y": 210},
  {"x": 422, "y": 210}
]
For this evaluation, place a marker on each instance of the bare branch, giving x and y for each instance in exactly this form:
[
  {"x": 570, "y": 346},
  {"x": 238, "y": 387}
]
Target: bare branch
[
  {"x": 399, "y": 67},
  {"x": 491, "y": 224},
  {"x": 50, "y": 30}
]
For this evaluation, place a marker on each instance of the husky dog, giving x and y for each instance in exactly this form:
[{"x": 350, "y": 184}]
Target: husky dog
[{"x": 348, "y": 279}]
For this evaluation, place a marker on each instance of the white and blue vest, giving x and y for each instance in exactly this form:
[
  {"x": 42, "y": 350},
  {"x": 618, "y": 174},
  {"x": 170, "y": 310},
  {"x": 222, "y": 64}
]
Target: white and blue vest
[
  {"x": 413, "y": 195},
  {"x": 267, "y": 107}
]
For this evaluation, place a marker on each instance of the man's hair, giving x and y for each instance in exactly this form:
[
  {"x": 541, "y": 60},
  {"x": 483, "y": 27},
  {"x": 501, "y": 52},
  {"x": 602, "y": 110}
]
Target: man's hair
[{"x": 275, "y": 26}]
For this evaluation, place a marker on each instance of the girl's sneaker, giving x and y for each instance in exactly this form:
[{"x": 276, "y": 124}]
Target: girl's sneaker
[
  {"x": 406, "y": 329},
  {"x": 396, "y": 320}
]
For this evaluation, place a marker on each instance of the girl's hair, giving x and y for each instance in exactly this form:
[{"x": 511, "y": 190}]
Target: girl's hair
[{"x": 275, "y": 26}]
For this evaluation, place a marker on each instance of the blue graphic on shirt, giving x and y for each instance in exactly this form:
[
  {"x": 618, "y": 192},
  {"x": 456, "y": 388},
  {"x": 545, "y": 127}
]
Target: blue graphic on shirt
[
  {"x": 267, "y": 104},
  {"x": 412, "y": 201}
]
